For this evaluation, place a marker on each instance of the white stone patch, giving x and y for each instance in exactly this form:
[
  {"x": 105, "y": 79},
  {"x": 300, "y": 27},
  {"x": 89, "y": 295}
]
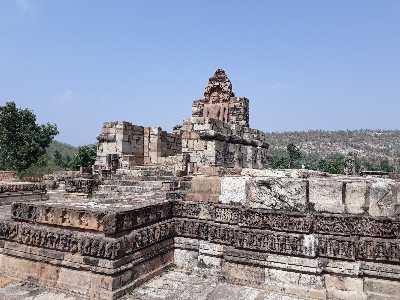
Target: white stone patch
[
  {"x": 233, "y": 189},
  {"x": 310, "y": 244}
]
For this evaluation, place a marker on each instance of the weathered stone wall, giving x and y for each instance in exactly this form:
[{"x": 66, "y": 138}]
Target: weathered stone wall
[
  {"x": 311, "y": 255},
  {"x": 305, "y": 252},
  {"x": 159, "y": 143},
  {"x": 211, "y": 142},
  {"x": 124, "y": 145},
  {"x": 171, "y": 144},
  {"x": 299, "y": 192},
  {"x": 123, "y": 139}
]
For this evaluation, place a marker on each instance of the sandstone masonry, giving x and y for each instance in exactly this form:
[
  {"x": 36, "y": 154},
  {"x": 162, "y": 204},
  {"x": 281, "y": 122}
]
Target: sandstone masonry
[
  {"x": 201, "y": 199},
  {"x": 217, "y": 134}
]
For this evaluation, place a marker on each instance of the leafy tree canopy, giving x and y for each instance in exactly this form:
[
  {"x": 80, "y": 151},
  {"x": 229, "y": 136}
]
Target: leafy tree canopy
[
  {"x": 85, "y": 157},
  {"x": 22, "y": 140},
  {"x": 294, "y": 154}
]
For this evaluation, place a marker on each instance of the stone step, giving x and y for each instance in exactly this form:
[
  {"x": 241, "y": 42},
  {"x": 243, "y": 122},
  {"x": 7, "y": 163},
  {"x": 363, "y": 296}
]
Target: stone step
[
  {"x": 144, "y": 171},
  {"x": 121, "y": 196},
  {"x": 129, "y": 189},
  {"x": 136, "y": 182}
]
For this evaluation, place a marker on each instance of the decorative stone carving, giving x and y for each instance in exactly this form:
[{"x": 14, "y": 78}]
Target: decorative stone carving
[
  {"x": 337, "y": 247},
  {"x": 79, "y": 185},
  {"x": 109, "y": 222},
  {"x": 62, "y": 240},
  {"x": 217, "y": 95},
  {"x": 350, "y": 163},
  {"x": 219, "y": 88}
]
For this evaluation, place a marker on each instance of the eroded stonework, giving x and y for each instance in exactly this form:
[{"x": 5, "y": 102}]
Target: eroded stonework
[
  {"x": 217, "y": 134},
  {"x": 201, "y": 199}
]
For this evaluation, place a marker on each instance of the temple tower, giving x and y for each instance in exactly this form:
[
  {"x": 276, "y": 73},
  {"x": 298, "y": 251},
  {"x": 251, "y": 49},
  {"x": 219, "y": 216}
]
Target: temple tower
[{"x": 220, "y": 103}]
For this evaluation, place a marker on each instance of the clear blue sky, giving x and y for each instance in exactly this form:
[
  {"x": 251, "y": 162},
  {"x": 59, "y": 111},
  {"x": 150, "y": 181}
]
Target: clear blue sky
[{"x": 302, "y": 64}]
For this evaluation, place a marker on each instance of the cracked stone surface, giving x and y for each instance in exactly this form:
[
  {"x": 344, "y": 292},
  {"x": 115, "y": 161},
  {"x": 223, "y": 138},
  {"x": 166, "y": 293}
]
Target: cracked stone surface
[
  {"x": 172, "y": 284},
  {"x": 183, "y": 285}
]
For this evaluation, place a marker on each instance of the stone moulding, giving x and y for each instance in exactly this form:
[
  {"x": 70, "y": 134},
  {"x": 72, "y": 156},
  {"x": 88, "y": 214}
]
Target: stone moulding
[
  {"x": 83, "y": 243},
  {"x": 13, "y": 187},
  {"x": 334, "y": 236},
  {"x": 144, "y": 239},
  {"x": 321, "y": 223},
  {"x": 107, "y": 221}
]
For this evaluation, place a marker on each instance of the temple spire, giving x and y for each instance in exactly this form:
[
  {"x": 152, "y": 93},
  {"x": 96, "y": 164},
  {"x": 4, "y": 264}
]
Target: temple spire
[{"x": 219, "y": 88}]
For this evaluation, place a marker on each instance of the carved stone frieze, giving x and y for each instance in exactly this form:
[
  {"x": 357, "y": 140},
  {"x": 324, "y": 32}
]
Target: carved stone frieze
[
  {"x": 276, "y": 221},
  {"x": 356, "y": 225},
  {"x": 109, "y": 222},
  {"x": 343, "y": 237},
  {"x": 379, "y": 250},
  {"x": 62, "y": 240},
  {"x": 86, "y": 244},
  {"x": 348, "y": 225},
  {"x": 252, "y": 239},
  {"x": 337, "y": 247}
]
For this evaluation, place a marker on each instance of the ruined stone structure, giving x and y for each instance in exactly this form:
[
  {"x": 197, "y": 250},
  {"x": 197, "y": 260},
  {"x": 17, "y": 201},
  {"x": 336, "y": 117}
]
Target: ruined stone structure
[
  {"x": 220, "y": 103},
  {"x": 289, "y": 234},
  {"x": 217, "y": 134},
  {"x": 124, "y": 145},
  {"x": 13, "y": 190}
]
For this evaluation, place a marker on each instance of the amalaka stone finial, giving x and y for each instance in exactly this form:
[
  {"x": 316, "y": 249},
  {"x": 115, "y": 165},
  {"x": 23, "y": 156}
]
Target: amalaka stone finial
[{"x": 219, "y": 88}]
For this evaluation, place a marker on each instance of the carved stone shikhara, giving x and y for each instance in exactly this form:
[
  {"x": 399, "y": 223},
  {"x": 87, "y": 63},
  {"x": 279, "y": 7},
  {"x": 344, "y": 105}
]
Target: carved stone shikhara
[{"x": 217, "y": 96}]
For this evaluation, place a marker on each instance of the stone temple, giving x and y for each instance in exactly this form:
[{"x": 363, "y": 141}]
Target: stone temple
[
  {"x": 197, "y": 214},
  {"x": 217, "y": 135}
]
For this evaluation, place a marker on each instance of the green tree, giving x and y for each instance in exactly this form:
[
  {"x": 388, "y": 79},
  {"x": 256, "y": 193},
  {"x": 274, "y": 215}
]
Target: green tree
[
  {"x": 58, "y": 159},
  {"x": 85, "y": 157},
  {"x": 385, "y": 166},
  {"x": 67, "y": 161},
  {"x": 294, "y": 154},
  {"x": 22, "y": 140},
  {"x": 334, "y": 164},
  {"x": 279, "y": 162}
]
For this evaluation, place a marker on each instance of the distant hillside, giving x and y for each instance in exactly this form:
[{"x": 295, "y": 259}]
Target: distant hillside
[
  {"x": 63, "y": 148},
  {"x": 371, "y": 144}
]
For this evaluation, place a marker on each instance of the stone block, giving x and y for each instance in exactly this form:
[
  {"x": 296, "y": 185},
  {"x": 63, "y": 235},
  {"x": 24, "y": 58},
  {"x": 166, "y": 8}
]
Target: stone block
[
  {"x": 243, "y": 274},
  {"x": 383, "y": 198},
  {"x": 277, "y": 193},
  {"x": 210, "y": 255},
  {"x": 346, "y": 288},
  {"x": 355, "y": 197},
  {"x": 383, "y": 287},
  {"x": 326, "y": 195},
  {"x": 288, "y": 278},
  {"x": 205, "y": 188},
  {"x": 233, "y": 189}
]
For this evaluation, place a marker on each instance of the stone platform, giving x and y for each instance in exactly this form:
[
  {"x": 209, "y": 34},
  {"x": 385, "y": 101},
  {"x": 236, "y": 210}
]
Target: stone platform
[
  {"x": 11, "y": 191},
  {"x": 172, "y": 284},
  {"x": 103, "y": 250},
  {"x": 95, "y": 249}
]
